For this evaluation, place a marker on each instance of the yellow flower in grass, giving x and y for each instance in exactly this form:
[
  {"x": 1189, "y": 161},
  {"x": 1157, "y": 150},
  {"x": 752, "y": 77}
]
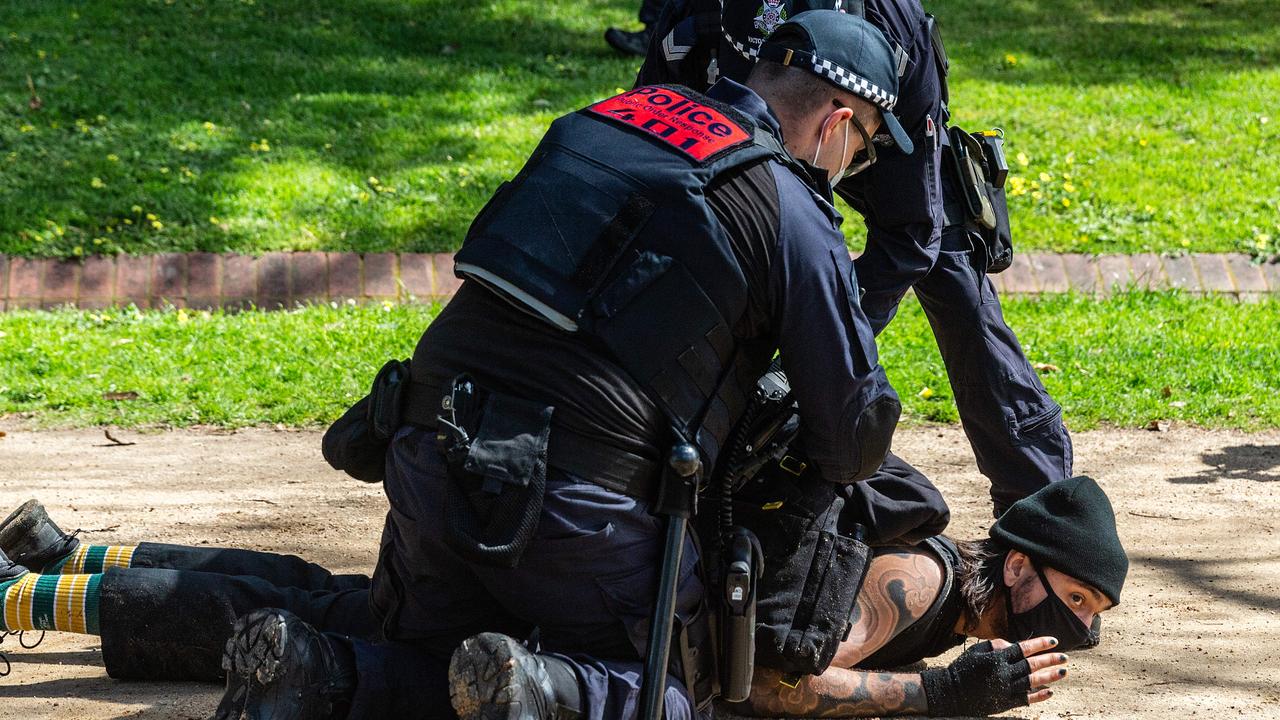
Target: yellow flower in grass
[{"x": 97, "y": 183}]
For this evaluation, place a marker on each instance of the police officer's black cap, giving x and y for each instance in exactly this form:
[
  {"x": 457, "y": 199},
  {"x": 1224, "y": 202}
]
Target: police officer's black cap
[
  {"x": 1070, "y": 527},
  {"x": 847, "y": 51}
]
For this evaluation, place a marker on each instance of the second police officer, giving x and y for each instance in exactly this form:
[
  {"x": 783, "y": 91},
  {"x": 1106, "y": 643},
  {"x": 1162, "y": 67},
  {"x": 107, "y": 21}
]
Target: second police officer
[
  {"x": 621, "y": 296},
  {"x": 920, "y": 233}
]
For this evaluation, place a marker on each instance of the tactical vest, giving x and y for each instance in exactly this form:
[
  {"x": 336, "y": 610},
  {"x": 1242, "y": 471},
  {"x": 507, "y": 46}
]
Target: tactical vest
[{"x": 606, "y": 233}]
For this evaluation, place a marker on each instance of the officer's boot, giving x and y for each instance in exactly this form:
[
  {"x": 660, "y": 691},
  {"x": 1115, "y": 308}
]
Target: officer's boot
[
  {"x": 31, "y": 538},
  {"x": 629, "y": 42},
  {"x": 494, "y": 677},
  {"x": 280, "y": 668}
]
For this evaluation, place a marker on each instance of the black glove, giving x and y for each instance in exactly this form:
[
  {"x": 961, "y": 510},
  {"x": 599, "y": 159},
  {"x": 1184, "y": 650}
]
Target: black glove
[{"x": 982, "y": 681}]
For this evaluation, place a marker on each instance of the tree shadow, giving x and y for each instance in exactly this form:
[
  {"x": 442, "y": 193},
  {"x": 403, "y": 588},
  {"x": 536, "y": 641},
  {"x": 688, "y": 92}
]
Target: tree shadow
[
  {"x": 1258, "y": 463},
  {"x": 1086, "y": 42},
  {"x": 296, "y": 117},
  {"x": 1212, "y": 576}
]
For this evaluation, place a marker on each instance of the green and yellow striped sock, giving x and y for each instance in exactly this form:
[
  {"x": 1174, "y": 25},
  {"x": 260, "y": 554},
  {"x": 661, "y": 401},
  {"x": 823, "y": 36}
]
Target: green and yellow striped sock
[
  {"x": 68, "y": 603},
  {"x": 93, "y": 559}
]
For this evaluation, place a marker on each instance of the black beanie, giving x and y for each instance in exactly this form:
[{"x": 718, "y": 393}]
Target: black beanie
[{"x": 1070, "y": 527}]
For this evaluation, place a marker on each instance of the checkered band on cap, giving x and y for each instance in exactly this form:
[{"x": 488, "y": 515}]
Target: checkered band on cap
[
  {"x": 749, "y": 53},
  {"x": 855, "y": 84}
]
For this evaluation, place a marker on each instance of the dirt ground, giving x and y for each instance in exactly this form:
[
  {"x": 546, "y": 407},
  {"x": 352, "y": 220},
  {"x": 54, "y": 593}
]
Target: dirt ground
[{"x": 1196, "y": 636}]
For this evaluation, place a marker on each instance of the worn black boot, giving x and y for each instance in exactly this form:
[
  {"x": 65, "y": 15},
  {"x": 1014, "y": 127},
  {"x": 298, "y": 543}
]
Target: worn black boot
[
  {"x": 31, "y": 538},
  {"x": 280, "y": 668},
  {"x": 494, "y": 677},
  {"x": 628, "y": 42}
]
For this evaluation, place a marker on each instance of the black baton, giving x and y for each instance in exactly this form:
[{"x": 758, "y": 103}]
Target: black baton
[{"x": 677, "y": 498}]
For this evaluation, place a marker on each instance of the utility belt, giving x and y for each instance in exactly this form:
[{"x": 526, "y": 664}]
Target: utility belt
[
  {"x": 973, "y": 194},
  {"x": 357, "y": 442}
]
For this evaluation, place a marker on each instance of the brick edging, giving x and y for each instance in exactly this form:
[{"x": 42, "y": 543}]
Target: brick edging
[{"x": 274, "y": 280}]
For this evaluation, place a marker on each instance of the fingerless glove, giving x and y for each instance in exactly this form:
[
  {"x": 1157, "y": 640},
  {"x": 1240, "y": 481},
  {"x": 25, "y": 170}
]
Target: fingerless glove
[{"x": 982, "y": 681}]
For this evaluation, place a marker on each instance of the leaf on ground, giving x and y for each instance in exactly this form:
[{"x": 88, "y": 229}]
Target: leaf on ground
[
  {"x": 1158, "y": 426},
  {"x": 1046, "y": 367},
  {"x": 126, "y": 395}
]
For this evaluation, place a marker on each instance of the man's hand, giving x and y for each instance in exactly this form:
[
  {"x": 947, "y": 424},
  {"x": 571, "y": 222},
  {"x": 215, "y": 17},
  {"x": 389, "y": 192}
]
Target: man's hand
[
  {"x": 1043, "y": 665},
  {"x": 992, "y": 677}
]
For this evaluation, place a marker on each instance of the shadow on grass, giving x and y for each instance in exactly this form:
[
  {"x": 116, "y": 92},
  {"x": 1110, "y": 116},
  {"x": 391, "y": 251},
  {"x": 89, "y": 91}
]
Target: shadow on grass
[
  {"x": 1258, "y": 463},
  {"x": 1085, "y": 42},
  {"x": 147, "y": 107}
]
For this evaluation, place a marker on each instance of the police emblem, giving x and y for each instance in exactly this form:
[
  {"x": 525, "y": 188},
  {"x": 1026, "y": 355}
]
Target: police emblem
[{"x": 772, "y": 14}]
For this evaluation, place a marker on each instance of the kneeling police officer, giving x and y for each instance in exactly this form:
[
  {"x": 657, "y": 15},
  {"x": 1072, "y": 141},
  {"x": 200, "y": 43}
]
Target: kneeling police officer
[{"x": 622, "y": 295}]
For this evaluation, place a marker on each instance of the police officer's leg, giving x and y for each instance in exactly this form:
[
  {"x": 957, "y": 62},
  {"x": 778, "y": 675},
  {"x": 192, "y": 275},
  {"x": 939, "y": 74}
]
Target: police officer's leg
[
  {"x": 896, "y": 505},
  {"x": 588, "y": 581},
  {"x": 426, "y": 598},
  {"x": 1015, "y": 428},
  {"x": 160, "y": 624}
]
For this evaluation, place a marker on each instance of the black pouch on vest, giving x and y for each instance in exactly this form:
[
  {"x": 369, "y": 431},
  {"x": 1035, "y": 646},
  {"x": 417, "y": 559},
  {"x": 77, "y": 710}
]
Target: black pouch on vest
[
  {"x": 806, "y": 599},
  {"x": 978, "y": 164},
  {"x": 357, "y": 442},
  {"x": 493, "y": 497}
]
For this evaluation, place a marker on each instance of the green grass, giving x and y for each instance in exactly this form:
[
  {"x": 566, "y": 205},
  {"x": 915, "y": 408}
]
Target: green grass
[
  {"x": 1126, "y": 360},
  {"x": 255, "y": 125}
]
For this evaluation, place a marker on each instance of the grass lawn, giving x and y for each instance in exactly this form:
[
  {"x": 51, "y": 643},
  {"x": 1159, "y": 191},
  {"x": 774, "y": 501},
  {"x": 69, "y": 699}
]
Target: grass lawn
[
  {"x": 251, "y": 125},
  {"x": 1126, "y": 360}
]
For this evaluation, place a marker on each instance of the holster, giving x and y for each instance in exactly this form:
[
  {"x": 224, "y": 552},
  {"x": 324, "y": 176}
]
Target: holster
[
  {"x": 357, "y": 442},
  {"x": 974, "y": 193},
  {"x": 495, "y": 447},
  {"x": 806, "y": 599},
  {"x": 744, "y": 567}
]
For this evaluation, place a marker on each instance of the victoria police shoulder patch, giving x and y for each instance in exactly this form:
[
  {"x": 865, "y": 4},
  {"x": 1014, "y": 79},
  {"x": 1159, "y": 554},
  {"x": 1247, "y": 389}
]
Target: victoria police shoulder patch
[{"x": 695, "y": 127}]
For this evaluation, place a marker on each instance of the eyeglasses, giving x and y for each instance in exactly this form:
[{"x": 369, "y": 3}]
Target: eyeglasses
[{"x": 865, "y": 157}]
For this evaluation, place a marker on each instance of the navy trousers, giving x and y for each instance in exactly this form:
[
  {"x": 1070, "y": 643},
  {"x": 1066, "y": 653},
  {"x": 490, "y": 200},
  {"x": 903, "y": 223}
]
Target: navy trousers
[
  {"x": 586, "y": 581},
  {"x": 1014, "y": 427}
]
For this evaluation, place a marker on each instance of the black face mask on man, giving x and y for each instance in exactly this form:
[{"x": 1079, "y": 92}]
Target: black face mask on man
[{"x": 1051, "y": 617}]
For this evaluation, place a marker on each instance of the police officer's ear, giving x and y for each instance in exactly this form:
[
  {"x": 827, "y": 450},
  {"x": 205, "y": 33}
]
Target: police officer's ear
[{"x": 833, "y": 125}]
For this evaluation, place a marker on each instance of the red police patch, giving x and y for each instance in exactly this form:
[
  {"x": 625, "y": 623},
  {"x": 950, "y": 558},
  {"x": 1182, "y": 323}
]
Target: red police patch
[{"x": 697, "y": 130}]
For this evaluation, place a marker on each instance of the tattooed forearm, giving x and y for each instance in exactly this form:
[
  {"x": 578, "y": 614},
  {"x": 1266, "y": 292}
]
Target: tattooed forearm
[
  {"x": 898, "y": 590},
  {"x": 837, "y": 693}
]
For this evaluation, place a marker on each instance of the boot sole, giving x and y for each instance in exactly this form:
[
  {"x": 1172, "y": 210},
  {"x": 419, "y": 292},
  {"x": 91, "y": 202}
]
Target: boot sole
[
  {"x": 484, "y": 683},
  {"x": 252, "y": 660}
]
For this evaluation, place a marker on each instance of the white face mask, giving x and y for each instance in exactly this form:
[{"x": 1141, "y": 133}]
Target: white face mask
[{"x": 839, "y": 174}]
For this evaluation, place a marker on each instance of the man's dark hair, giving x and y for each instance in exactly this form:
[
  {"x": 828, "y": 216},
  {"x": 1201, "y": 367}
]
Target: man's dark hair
[{"x": 979, "y": 576}]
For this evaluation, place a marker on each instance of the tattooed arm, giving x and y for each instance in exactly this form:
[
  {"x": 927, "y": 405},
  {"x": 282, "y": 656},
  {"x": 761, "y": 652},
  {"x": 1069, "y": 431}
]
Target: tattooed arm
[
  {"x": 836, "y": 693},
  {"x": 899, "y": 588}
]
